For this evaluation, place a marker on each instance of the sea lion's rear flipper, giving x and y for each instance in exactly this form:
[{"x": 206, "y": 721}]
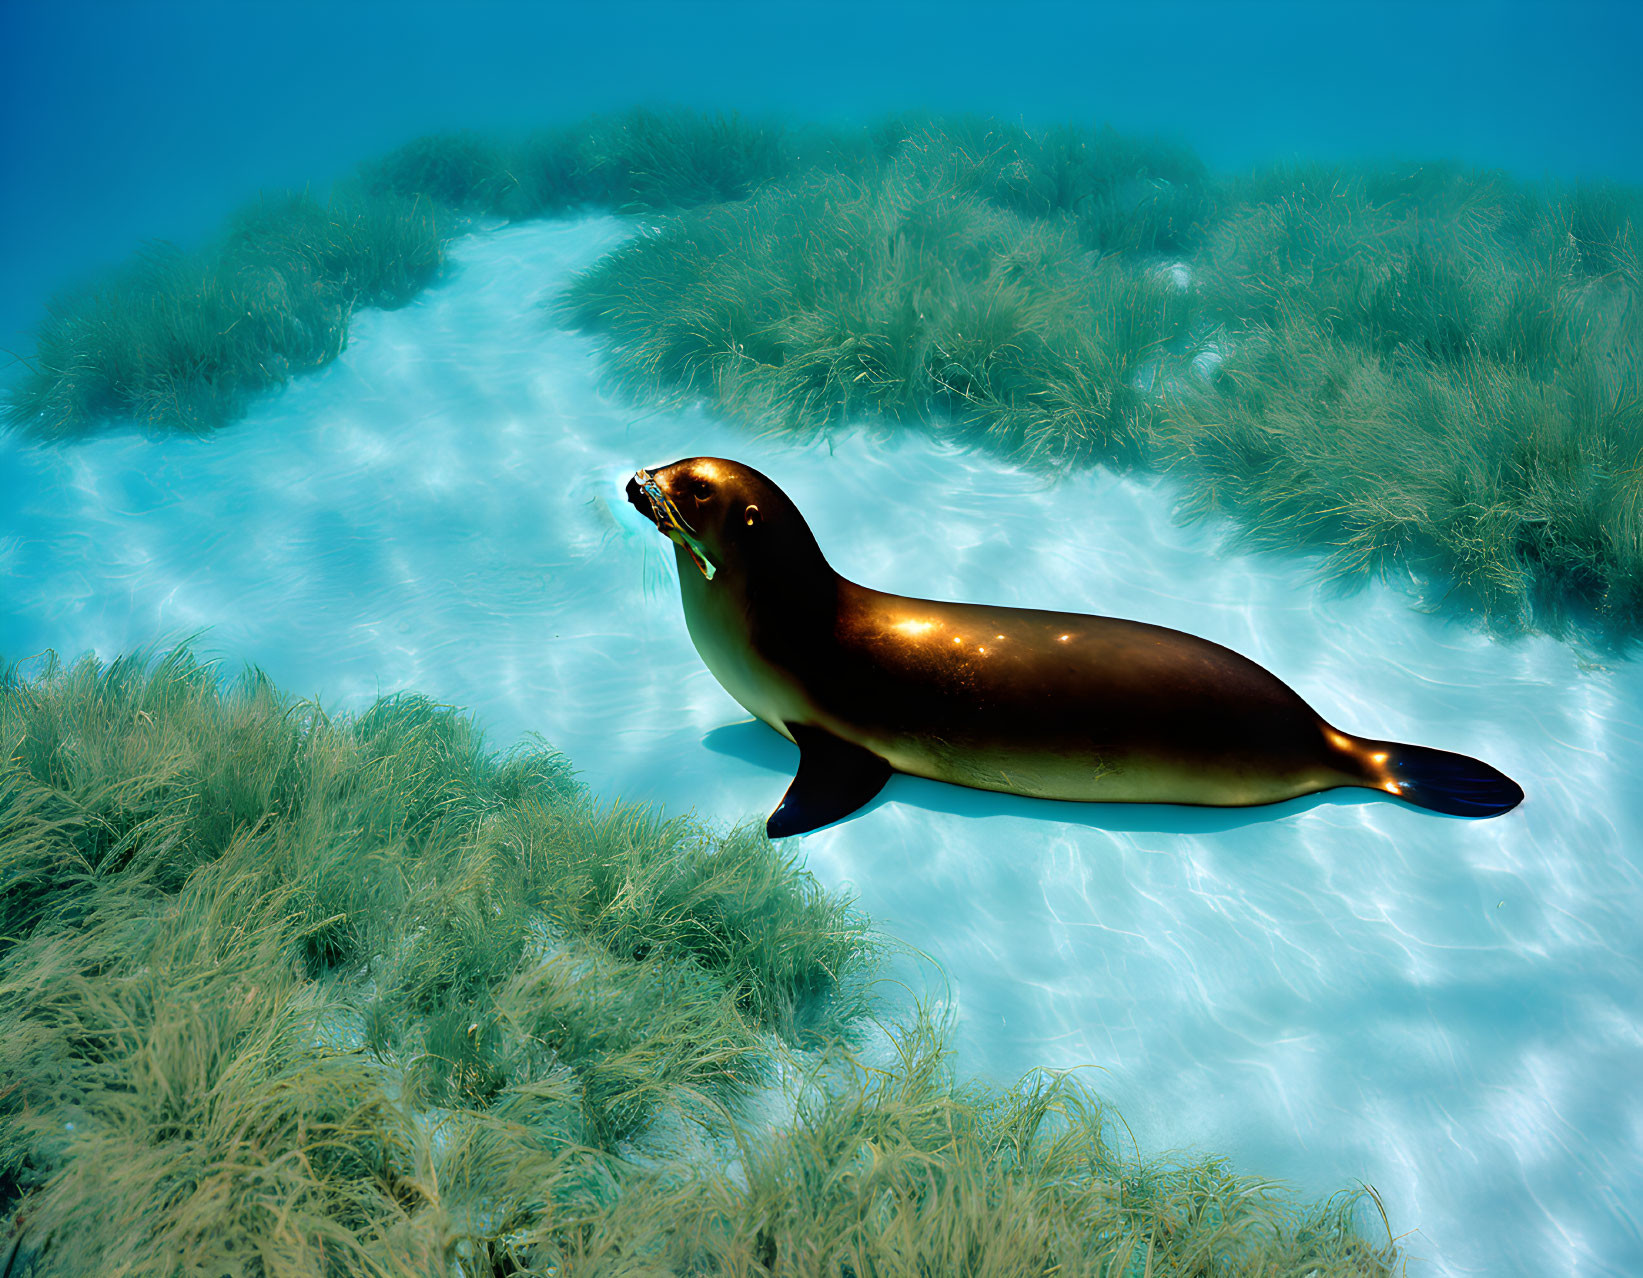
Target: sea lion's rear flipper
[
  {"x": 834, "y": 779},
  {"x": 1452, "y": 783}
]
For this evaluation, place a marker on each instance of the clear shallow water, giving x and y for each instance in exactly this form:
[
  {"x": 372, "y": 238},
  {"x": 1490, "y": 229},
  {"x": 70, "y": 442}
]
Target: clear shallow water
[{"x": 1330, "y": 990}]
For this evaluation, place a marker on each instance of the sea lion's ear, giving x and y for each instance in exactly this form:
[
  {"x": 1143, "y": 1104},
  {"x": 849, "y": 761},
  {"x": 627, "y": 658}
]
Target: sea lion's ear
[{"x": 752, "y": 516}]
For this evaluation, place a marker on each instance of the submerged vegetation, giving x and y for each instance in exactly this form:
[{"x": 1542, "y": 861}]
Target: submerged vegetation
[
  {"x": 1434, "y": 371},
  {"x": 1416, "y": 372},
  {"x": 288, "y": 994},
  {"x": 176, "y": 341},
  {"x": 838, "y": 299},
  {"x": 179, "y": 340},
  {"x": 1421, "y": 371}
]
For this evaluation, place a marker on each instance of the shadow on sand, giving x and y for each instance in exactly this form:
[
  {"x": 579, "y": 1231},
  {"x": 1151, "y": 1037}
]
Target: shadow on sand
[{"x": 753, "y": 742}]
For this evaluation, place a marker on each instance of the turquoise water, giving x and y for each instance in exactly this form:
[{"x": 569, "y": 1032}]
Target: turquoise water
[{"x": 1339, "y": 988}]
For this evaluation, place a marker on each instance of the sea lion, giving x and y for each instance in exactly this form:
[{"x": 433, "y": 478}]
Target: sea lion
[{"x": 1055, "y": 705}]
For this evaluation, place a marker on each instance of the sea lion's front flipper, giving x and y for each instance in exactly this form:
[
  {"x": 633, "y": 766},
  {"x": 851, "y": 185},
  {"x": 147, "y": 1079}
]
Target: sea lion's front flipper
[{"x": 834, "y": 779}]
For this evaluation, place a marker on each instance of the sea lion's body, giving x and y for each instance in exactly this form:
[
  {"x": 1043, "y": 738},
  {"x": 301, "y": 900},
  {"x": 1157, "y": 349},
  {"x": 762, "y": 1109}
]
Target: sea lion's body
[
  {"x": 1050, "y": 704},
  {"x": 1047, "y": 704}
]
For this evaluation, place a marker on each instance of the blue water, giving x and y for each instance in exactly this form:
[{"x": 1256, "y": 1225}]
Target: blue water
[
  {"x": 1336, "y": 989},
  {"x": 128, "y": 122},
  {"x": 1340, "y": 989}
]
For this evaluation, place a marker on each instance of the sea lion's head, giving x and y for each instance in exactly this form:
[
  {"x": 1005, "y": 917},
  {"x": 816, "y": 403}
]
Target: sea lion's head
[{"x": 726, "y": 517}]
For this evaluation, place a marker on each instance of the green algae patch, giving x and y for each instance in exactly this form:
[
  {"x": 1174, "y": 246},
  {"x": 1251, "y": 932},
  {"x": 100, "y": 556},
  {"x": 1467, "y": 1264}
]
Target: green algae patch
[
  {"x": 641, "y": 161},
  {"x": 901, "y": 298},
  {"x": 1435, "y": 374},
  {"x": 903, "y": 1171},
  {"x": 284, "y": 993},
  {"x": 1421, "y": 373},
  {"x": 178, "y": 341}
]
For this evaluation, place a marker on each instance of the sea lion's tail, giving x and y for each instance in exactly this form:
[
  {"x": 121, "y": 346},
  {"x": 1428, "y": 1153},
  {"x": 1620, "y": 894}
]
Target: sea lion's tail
[{"x": 1440, "y": 780}]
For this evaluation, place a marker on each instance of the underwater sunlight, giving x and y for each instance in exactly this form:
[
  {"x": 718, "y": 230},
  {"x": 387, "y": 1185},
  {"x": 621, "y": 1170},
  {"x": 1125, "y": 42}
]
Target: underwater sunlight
[{"x": 1340, "y": 988}]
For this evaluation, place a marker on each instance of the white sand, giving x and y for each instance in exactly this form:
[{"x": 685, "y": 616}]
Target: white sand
[{"x": 1332, "y": 990}]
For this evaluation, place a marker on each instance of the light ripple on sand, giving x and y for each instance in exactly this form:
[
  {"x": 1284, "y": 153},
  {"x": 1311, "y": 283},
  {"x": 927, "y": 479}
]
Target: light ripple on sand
[{"x": 1328, "y": 991}]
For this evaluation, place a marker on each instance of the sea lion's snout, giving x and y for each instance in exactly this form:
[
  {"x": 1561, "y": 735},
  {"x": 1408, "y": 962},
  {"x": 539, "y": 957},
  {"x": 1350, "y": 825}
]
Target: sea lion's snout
[
  {"x": 638, "y": 500},
  {"x": 652, "y": 501}
]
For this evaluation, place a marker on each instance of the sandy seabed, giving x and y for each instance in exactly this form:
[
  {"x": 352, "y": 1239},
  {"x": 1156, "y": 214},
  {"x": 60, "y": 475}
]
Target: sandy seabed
[{"x": 1335, "y": 989}]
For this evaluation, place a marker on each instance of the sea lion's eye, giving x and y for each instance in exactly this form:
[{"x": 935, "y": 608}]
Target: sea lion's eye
[{"x": 700, "y": 489}]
